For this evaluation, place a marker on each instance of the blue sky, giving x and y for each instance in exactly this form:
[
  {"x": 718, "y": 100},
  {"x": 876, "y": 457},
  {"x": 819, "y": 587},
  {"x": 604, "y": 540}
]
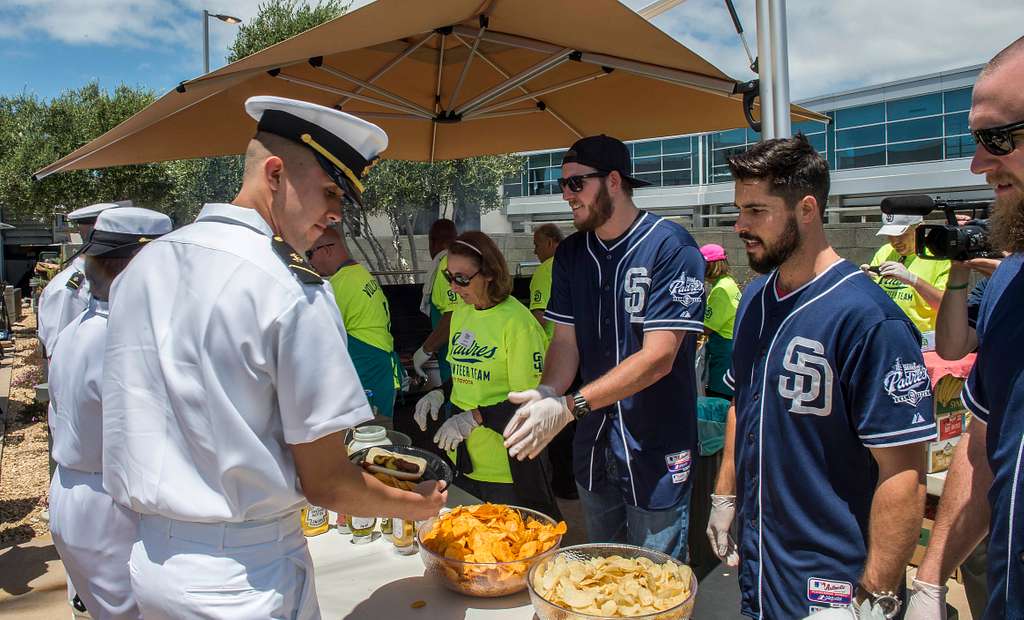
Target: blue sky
[{"x": 50, "y": 45}]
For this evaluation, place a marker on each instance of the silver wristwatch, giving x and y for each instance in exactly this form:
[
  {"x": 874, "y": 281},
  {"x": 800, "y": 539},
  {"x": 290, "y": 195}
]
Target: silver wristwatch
[{"x": 886, "y": 600}]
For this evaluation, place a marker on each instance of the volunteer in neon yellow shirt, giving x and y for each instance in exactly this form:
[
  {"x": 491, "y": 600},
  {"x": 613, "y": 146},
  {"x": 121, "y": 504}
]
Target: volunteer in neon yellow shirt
[
  {"x": 439, "y": 300},
  {"x": 545, "y": 241},
  {"x": 364, "y": 311},
  {"x": 719, "y": 315},
  {"x": 496, "y": 347},
  {"x": 914, "y": 283}
]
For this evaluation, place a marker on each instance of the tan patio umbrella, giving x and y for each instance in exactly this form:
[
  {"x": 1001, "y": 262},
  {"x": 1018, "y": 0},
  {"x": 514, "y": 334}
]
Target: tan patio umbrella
[{"x": 449, "y": 79}]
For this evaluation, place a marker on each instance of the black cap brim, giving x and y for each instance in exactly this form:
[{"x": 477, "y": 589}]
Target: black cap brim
[{"x": 114, "y": 245}]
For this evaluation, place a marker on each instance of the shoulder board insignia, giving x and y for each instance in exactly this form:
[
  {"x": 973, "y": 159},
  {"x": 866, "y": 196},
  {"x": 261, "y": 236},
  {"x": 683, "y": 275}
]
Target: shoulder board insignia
[
  {"x": 75, "y": 281},
  {"x": 298, "y": 265}
]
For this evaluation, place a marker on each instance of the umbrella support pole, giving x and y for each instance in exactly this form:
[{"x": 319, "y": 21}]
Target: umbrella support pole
[
  {"x": 376, "y": 89},
  {"x": 558, "y": 58},
  {"x": 537, "y": 93},
  {"x": 345, "y": 93}
]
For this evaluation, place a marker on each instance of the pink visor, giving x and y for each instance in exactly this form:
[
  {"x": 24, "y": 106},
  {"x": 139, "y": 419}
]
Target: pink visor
[{"x": 712, "y": 252}]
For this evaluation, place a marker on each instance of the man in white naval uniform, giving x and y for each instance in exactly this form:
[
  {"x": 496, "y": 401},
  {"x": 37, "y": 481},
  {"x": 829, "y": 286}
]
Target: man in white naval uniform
[
  {"x": 92, "y": 533},
  {"x": 67, "y": 294},
  {"x": 227, "y": 383}
]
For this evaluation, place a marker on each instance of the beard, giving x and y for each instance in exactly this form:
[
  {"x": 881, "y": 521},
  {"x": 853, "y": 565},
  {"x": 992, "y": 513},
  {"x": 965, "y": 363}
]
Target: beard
[
  {"x": 778, "y": 252},
  {"x": 1006, "y": 225},
  {"x": 600, "y": 210}
]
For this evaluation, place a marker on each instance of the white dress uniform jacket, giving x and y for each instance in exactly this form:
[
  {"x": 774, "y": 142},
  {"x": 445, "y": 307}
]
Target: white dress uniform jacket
[
  {"x": 64, "y": 298},
  {"x": 218, "y": 357},
  {"x": 93, "y": 534}
]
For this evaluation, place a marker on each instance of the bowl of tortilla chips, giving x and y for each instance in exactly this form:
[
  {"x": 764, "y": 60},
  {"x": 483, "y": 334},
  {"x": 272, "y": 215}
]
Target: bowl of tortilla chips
[
  {"x": 588, "y": 582},
  {"x": 487, "y": 549}
]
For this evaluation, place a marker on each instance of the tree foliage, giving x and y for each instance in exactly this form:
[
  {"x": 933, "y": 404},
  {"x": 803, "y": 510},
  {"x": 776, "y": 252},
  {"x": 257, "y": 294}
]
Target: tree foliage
[{"x": 278, "y": 20}]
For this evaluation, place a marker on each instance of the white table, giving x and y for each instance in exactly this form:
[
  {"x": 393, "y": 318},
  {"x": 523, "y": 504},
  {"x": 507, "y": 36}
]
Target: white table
[{"x": 374, "y": 582}]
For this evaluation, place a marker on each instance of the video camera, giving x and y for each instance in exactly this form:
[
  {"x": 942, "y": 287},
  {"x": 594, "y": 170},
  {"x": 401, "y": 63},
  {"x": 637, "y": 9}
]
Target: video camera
[{"x": 949, "y": 241}]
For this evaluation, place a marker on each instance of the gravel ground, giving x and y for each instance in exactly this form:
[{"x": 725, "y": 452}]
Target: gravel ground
[{"x": 24, "y": 469}]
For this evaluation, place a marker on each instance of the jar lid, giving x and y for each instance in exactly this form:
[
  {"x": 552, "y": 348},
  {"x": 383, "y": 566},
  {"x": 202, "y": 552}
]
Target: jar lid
[{"x": 369, "y": 433}]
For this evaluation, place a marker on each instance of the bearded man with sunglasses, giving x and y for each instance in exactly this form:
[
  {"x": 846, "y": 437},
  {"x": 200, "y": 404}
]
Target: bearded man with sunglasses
[
  {"x": 984, "y": 489},
  {"x": 627, "y": 291}
]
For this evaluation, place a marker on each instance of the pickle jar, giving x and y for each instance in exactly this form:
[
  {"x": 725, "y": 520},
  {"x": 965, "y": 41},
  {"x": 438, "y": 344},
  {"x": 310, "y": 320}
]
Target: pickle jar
[{"x": 363, "y": 529}]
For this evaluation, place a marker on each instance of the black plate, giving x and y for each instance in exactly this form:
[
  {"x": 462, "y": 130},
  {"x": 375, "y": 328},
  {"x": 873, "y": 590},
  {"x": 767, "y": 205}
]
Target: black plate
[{"x": 436, "y": 469}]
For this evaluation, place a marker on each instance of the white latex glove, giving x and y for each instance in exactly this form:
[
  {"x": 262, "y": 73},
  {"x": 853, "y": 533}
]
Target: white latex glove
[
  {"x": 528, "y": 397},
  {"x": 893, "y": 269},
  {"x": 430, "y": 404},
  {"x": 455, "y": 430},
  {"x": 419, "y": 358},
  {"x": 927, "y": 602},
  {"x": 535, "y": 423},
  {"x": 723, "y": 511}
]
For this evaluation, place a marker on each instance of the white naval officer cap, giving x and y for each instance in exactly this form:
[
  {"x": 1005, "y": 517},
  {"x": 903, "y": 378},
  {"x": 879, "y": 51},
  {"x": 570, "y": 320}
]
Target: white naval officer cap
[
  {"x": 85, "y": 214},
  {"x": 895, "y": 225},
  {"x": 119, "y": 232},
  {"x": 345, "y": 146}
]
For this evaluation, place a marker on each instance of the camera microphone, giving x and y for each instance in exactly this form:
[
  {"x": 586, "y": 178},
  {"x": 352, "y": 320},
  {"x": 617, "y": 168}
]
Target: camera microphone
[{"x": 908, "y": 205}]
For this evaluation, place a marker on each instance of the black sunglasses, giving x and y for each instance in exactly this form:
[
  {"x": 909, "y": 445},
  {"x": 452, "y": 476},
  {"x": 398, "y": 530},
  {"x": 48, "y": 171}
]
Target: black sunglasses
[
  {"x": 458, "y": 278},
  {"x": 575, "y": 182},
  {"x": 311, "y": 252},
  {"x": 998, "y": 140}
]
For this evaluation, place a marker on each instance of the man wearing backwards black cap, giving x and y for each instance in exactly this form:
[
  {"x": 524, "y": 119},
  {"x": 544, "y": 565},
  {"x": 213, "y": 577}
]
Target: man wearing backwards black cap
[
  {"x": 227, "y": 383},
  {"x": 626, "y": 290},
  {"x": 93, "y": 534},
  {"x": 67, "y": 294}
]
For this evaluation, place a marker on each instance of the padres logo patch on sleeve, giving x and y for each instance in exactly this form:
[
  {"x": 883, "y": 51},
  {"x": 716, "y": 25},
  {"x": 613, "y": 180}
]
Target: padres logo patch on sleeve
[
  {"x": 75, "y": 281},
  {"x": 296, "y": 263}
]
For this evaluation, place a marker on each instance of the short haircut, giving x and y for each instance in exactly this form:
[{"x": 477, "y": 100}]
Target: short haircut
[
  {"x": 482, "y": 250},
  {"x": 443, "y": 230},
  {"x": 549, "y": 231},
  {"x": 1008, "y": 52},
  {"x": 791, "y": 166}
]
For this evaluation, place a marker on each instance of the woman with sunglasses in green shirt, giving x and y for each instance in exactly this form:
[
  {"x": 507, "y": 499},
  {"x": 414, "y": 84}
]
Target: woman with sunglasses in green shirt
[{"x": 495, "y": 346}]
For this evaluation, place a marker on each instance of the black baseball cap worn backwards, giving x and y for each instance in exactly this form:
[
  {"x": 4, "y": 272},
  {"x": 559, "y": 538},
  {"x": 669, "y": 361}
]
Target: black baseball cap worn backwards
[
  {"x": 345, "y": 146},
  {"x": 606, "y": 154}
]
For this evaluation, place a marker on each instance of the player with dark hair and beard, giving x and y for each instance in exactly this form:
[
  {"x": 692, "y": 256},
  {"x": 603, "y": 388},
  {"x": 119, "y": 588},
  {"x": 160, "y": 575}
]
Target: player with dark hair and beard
[
  {"x": 824, "y": 454},
  {"x": 984, "y": 491}
]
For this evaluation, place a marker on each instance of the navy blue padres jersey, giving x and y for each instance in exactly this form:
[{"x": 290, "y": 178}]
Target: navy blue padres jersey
[
  {"x": 994, "y": 393},
  {"x": 650, "y": 279},
  {"x": 821, "y": 375}
]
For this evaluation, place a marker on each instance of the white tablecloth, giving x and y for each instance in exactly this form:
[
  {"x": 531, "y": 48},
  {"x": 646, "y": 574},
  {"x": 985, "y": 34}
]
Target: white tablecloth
[{"x": 374, "y": 582}]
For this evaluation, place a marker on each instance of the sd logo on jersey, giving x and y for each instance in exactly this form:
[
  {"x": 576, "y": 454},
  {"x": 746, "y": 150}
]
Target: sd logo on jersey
[{"x": 809, "y": 387}]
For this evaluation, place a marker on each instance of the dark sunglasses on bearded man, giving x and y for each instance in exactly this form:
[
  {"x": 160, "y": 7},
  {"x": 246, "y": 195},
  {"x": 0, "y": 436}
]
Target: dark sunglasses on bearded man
[{"x": 998, "y": 141}]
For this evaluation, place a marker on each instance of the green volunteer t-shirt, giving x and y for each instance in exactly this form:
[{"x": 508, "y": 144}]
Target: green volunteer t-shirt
[
  {"x": 364, "y": 308},
  {"x": 540, "y": 293},
  {"x": 442, "y": 297},
  {"x": 934, "y": 272},
  {"x": 493, "y": 352},
  {"x": 720, "y": 311}
]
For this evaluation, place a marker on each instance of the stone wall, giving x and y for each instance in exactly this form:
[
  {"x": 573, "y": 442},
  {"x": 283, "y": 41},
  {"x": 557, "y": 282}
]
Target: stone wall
[{"x": 856, "y": 242}]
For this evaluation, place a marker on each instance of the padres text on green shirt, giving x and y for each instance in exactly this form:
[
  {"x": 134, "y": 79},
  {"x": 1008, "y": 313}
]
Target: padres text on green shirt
[
  {"x": 540, "y": 292},
  {"x": 934, "y": 272},
  {"x": 493, "y": 352}
]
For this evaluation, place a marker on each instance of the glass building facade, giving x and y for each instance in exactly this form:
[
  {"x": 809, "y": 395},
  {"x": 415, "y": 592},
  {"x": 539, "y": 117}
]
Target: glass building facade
[{"x": 922, "y": 128}]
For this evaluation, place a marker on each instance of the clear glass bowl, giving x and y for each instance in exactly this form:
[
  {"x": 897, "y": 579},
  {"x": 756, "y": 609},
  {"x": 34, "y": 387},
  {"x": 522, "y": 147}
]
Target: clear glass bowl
[
  {"x": 546, "y": 610},
  {"x": 484, "y": 579}
]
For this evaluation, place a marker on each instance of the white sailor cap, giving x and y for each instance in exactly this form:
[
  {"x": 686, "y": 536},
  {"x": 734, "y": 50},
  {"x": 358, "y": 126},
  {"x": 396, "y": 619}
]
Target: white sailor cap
[
  {"x": 345, "y": 146},
  {"x": 119, "y": 232},
  {"x": 895, "y": 225},
  {"x": 91, "y": 212}
]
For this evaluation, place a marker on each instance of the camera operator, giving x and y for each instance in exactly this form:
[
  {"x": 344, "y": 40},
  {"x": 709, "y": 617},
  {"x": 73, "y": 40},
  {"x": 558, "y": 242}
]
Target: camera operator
[
  {"x": 915, "y": 284},
  {"x": 988, "y": 460}
]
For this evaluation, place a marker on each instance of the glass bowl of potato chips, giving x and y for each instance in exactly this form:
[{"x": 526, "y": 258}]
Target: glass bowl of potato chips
[
  {"x": 611, "y": 581},
  {"x": 487, "y": 549}
]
